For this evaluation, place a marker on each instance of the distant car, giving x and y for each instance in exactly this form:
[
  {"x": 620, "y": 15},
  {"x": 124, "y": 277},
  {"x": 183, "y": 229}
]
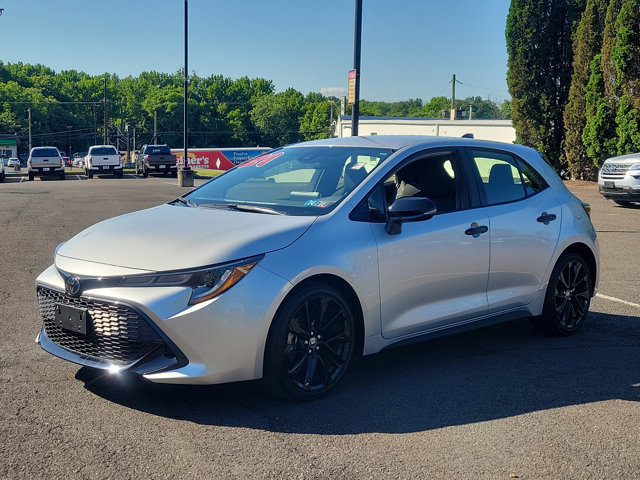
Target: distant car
[
  {"x": 103, "y": 159},
  {"x": 45, "y": 161},
  {"x": 67, "y": 161},
  {"x": 14, "y": 163},
  {"x": 619, "y": 179},
  {"x": 156, "y": 158},
  {"x": 291, "y": 264}
]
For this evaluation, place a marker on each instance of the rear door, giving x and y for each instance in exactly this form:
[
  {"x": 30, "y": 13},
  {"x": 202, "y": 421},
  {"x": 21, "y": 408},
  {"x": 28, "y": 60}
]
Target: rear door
[{"x": 524, "y": 221}]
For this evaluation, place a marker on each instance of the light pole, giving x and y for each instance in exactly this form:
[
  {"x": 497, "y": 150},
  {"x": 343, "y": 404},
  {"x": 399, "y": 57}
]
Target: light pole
[
  {"x": 357, "y": 35},
  {"x": 185, "y": 174}
]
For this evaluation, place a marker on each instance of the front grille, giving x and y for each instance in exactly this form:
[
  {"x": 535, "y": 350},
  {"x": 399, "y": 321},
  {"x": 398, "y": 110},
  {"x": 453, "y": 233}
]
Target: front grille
[
  {"x": 614, "y": 170},
  {"x": 115, "y": 333}
]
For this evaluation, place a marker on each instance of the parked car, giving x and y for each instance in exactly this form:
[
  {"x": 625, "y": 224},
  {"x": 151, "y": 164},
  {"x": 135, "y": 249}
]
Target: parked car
[
  {"x": 67, "y": 161},
  {"x": 13, "y": 163},
  {"x": 287, "y": 266},
  {"x": 156, "y": 158},
  {"x": 45, "y": 161},
  {"x": 103, "y": 159},
  {"x": 619, "y": 179}
]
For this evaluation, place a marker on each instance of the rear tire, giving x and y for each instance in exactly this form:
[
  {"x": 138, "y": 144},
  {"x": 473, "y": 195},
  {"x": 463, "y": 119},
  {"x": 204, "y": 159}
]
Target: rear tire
[
  {"x": 567, "y": 298},
  {"x": 145, "y": 172},
  {"x": 89, "y": 173},
  {"x": 31, "y": 177},
  {"x": 1, "y": 176},
  {"x": 310, "y": 343},
  {"x": 62, "y": 176}
]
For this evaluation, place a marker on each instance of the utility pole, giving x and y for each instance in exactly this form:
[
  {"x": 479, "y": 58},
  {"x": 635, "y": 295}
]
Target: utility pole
[
  {"x": 29, "y": 110},
  {"x": 185, "y": 174},
  {"x": 452, "y": 113},
  {"x": 155, "y": 127},
  {"x": 357, "y": 36},
  {"x": 105, "y": 109},
  {"x": 127, "y": 155}
]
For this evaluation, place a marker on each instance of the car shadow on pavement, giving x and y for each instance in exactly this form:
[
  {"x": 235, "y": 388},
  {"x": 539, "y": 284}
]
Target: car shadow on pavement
[{"x": 496, "y": 372}]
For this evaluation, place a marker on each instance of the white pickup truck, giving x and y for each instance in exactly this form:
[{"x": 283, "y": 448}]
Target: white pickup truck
[
  {"x": 103, "y": 159},
  {"x": 44, "y": 161}
]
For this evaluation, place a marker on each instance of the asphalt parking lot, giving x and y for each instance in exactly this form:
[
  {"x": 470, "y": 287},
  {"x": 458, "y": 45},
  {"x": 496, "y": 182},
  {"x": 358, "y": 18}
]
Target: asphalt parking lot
[{"x": 496, "y": 403}]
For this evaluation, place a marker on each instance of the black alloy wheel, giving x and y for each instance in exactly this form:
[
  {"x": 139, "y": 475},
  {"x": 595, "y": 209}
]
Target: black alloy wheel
[
  {"x": 568, "y": 296},
  {"x": 310, "y": 344}
]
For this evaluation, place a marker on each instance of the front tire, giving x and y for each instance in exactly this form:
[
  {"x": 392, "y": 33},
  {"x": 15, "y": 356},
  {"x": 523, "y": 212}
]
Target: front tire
[
  {"x": 568, "y": 297},
  {"x": 31, "y": 177},
  {"x": 310, "y": 343},
  {"x": 145, "y": 172}
]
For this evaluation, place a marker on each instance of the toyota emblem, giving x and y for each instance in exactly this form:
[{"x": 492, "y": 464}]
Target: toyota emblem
[{"x": 72, "y": 285}]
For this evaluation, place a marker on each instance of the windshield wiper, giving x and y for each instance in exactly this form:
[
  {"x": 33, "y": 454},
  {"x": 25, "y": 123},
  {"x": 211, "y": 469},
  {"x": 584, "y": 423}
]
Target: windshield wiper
[
  {"x": 186, "y": 201},
  {"x": 243, "y": 207}
]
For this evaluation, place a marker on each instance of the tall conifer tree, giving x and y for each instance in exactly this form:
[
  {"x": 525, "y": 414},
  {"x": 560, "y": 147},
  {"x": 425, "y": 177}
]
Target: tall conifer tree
[
  {"x": 587, "y": 43},
  {"x": 539, "y": 45}
]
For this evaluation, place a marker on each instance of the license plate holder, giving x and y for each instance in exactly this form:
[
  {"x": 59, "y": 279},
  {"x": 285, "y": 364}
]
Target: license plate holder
[
  {"x": 45, "y": 169},
  {"x": 162, "y": 166},
  {"x": 106, "y": 167},
  {"x": 611, "y": 185},
  {"x": 71, "y": 318}
]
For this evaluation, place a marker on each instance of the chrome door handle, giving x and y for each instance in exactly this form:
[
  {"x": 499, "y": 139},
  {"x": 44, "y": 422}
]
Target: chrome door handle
[{"x": 546, "y": 217}]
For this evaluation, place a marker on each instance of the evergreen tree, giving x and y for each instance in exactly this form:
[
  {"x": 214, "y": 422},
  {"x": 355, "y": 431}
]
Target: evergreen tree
[
  {"x": 625, "y": 56},
  {"x": 599, "y": 131},
  {"x": 539, "y": 45},
  {"x": 587, "y": 43}
]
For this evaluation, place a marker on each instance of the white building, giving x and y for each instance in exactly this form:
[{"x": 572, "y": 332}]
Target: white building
[{"x": 496, "y": 130}]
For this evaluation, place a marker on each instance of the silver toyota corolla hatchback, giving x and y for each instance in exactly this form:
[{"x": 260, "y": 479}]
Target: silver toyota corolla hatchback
[{"x": 288, "y": 266}]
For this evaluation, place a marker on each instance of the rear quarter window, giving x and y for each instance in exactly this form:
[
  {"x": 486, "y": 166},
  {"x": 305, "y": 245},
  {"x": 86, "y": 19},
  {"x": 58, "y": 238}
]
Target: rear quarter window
[
  {"x": 103, "y": 151},
  {"x": 45, "y": 152}
]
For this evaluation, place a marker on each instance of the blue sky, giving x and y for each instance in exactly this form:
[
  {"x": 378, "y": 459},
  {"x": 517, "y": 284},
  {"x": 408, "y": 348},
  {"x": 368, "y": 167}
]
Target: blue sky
[{"x": 410, "y": 48}]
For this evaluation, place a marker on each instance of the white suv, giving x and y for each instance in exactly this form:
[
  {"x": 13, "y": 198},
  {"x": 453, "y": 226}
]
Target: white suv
[{"x": 619, "y": 179}]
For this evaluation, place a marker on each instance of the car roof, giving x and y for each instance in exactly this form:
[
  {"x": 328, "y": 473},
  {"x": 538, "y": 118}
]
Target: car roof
[{"x": 397, "y": 142}]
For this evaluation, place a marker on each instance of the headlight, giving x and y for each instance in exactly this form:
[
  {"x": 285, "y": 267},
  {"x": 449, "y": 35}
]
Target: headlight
[
  {"x": 635, "y": 167},
  {"x": 206, "y": 283}
]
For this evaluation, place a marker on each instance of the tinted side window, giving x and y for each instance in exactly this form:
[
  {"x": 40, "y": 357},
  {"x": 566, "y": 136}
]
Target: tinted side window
[
  {"x": 500, "y": 176},
  {"x": 533, "y": 181},
  {"x": 436, "y": 176}
]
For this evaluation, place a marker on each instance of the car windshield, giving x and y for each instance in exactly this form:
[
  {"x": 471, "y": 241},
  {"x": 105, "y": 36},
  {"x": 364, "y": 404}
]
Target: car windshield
[
  {"x": 154, "y": 150},
  {"x": 104, "y": 151},
  {"x": 306, "y": 180},
  {"x": 44, "y": 152}
]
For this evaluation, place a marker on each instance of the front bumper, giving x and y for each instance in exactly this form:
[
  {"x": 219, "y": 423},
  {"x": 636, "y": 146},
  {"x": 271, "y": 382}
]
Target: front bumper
[
  {"x": 625, "y": 187},
  {"x": 218, "y": 341}
]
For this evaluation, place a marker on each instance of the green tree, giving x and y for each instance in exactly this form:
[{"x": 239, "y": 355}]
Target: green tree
[
  {"x": 278, "y": 117},
  {"x": 625, "y": 55},
  {"x": 505, "y": 109},
  {"x": 599, "y": 131},
  {"x": 587, "y": 43},
  {"x": 539, "y": 47}
]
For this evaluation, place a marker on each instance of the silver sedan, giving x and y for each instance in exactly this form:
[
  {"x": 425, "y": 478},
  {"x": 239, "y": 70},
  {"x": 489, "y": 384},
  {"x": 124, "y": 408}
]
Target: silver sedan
[{"x": 289, "y": 265}]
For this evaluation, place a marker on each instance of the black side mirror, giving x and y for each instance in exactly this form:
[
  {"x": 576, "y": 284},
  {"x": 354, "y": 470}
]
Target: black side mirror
[{"x": 408, "y": 209}]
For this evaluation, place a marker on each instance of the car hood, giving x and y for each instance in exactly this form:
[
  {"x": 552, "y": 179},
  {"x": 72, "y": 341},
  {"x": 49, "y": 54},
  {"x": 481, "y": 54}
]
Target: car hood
[{"x": 173, "y": 237}]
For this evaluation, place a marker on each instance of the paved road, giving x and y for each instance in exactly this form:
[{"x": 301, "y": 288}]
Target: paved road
[{"x": 496, "y": 403}]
